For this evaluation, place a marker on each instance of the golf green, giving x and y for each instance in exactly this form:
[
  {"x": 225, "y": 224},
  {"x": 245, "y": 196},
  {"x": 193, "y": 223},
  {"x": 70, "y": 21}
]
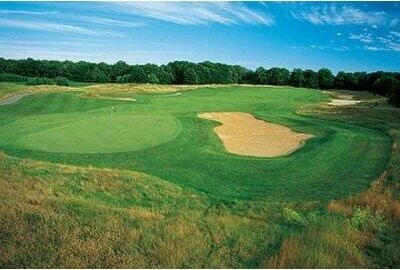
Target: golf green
[{"x": 78, "y": 133}]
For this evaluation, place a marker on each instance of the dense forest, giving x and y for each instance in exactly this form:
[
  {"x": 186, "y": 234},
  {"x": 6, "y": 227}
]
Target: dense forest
[{"x": 182, "y": 72}]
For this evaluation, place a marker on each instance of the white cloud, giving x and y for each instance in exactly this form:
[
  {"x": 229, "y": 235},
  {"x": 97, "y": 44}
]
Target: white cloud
[
  {"x": 199, "y": 13},
  {"x": 365, "y": 38},
  {"x": 375, "y": 48},
  {"x": 395, "y": 22},
  {"x": 390, "y": 44},
  {"x": 52, "y": 27},
  {"x": 333, "y": 15}
]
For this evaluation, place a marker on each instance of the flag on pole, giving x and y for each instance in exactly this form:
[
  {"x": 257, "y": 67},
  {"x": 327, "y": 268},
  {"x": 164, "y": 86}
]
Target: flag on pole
[{"x": 111, "y": 111}]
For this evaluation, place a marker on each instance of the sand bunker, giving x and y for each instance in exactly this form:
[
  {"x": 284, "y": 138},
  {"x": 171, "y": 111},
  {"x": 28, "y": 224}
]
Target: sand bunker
[
  {"x": 122, "y": 99},
  {"x": 344, "y": 100},
  {"x": 243, "y": 134}
]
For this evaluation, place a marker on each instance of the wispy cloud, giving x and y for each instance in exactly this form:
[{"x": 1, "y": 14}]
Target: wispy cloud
[
  {"x": 52, "y": 27},
  {"x": 394, "y": 33},
  {"x": 106, "y": 21},
  {"x": 200, "y": 13},
  {"x": 321, "y": 47},
  {"x": 331, "y": 14},
  {"x": 382, "y": 42},
  {"x": 25, "y": 12}
]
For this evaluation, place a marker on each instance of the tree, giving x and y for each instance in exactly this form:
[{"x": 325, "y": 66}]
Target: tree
[
  {"x": 260, "y": 76},
  {"x": 310, "y": 79},
  {"x": 394, "y": 95},
  {"x": 120, "y": 68},
  {"x": 165, "y": 75},
  {"x": 297, "y": 78},
  {"x": 190, "y": 76},
  {"x": 278, "y": 76},
  {"x": 152, "y": 78},
  {"x": 325, "y": 78},
  {"x": 180, "y": 72},
  {"x": 97, "y": 75},
  {"x": 137, "y": 74},
  {"x": 385, "y": 86}
]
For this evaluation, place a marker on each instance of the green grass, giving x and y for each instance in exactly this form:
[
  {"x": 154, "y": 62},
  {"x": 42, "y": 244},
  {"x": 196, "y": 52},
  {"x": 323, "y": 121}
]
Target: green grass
[
  {"x": 204, "y": 215},
  {"x": 98, "y": 133},
  {"x": 40, "y": 125}
]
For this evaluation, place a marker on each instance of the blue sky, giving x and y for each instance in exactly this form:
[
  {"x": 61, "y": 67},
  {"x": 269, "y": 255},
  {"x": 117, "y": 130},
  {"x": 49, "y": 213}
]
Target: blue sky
[{"x": 346, "y": 36}]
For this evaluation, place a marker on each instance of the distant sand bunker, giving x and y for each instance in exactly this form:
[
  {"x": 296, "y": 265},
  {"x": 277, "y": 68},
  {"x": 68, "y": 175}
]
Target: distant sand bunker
[
  {"x": 344, "y": 100},
  {"x": 243, "y": 134}
]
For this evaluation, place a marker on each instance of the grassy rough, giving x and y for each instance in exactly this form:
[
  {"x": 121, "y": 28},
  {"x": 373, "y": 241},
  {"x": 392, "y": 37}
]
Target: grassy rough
[{"x": 65, "y": 216}]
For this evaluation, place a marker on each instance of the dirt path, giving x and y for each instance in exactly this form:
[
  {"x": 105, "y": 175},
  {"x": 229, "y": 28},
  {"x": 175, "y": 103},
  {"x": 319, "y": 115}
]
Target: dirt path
[
  {"x": 243, "y": 134},
  {"x": 13, "y": 98}
]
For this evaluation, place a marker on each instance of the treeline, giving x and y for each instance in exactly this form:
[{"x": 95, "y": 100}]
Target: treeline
[{"x": 183, "y": 72}]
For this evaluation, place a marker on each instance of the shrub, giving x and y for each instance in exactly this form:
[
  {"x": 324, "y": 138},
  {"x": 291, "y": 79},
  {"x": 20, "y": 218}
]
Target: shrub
[
  {"x": 39, "y": 81},
  {"x": 364, "y": 219},
  {"x": 61, "y": 81},
  {"x": 293, "y": 217},
  {"x": 9, "y": 77}
]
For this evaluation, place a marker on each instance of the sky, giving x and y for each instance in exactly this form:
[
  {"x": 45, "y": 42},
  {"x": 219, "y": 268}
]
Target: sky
[{"x": 348, "y": 36}]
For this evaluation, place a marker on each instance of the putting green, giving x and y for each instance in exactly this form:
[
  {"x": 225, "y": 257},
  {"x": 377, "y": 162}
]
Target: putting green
[{"x": 80, "y": 133}]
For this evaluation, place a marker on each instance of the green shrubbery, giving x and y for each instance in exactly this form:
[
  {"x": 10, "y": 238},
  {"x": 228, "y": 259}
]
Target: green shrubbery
[
  {"x": 39, "y": 81},
  {"x": 293, "y": 217},
  {"x": 9, "y": 77},
  {"x": 364, "y": 219},
  {"x": 61, "y": 81},
  {"x": 46, "y": 81}
]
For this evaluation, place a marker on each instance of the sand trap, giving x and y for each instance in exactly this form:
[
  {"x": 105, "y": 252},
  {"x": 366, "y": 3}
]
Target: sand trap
[
  {"x": 122, "y": 99},
  {"x": 243, "y": 134},
  {"x": 344, "y": 100}
]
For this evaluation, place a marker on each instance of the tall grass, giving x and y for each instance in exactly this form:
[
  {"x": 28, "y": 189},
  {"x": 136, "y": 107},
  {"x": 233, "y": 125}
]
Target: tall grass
[{"x": 66, "y": 216}]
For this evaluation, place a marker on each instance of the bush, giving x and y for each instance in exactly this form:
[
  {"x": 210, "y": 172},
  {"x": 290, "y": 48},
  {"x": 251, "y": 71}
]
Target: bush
[
  {"x": 364, "y": 219},
  {"x": 61, "y": 81},
  {"x": 46, "y": 81},
  {"x": 9, "y": 77},
  {"x": 39, "y": 81},
  {"x": 293, "y": 217}
]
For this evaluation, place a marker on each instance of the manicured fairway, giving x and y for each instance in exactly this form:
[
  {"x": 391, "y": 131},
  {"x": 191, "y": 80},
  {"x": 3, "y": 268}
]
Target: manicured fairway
[{"x": 162, "y": 135}]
